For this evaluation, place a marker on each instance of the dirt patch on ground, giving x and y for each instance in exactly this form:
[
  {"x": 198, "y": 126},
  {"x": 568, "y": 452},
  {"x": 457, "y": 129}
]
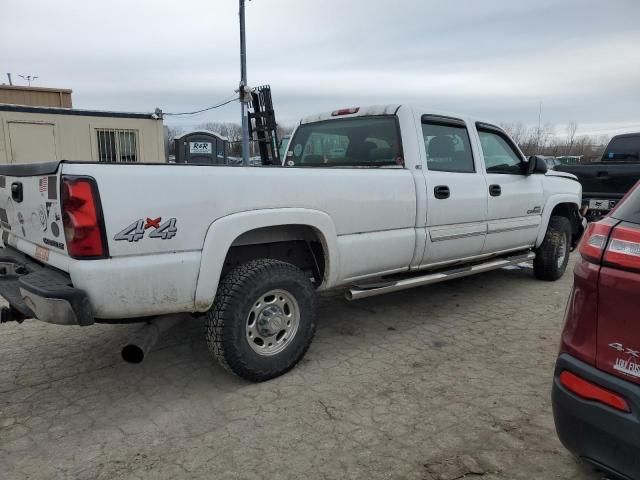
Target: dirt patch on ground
[{"x": 443, "y": 382}]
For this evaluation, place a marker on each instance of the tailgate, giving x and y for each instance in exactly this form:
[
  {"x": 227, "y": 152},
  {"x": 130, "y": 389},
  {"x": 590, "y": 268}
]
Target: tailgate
[
  {"x": 30, "y": 213},
  {"x": 618, "y": 348}
]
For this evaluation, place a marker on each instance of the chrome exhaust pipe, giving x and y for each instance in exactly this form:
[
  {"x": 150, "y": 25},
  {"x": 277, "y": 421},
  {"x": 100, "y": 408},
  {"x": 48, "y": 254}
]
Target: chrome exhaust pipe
[{"x": 141, "y": 342}]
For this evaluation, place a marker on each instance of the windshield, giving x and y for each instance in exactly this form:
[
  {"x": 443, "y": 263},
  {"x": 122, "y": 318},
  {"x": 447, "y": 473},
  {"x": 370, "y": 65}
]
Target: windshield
[
  {"x": 623, "y": 148},
  {"x": 362, "y": 142}
]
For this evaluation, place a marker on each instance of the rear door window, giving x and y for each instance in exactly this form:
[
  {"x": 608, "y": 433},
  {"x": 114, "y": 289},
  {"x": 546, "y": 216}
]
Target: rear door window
[
  {"x": 353, "y": 142},
  {"x": 448, "y": 147}
]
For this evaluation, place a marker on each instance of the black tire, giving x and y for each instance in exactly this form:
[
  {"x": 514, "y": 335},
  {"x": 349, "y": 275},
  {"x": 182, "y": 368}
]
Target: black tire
[
  {"x": 552, "y": 256},
  {"x": 238, "y": 292}
]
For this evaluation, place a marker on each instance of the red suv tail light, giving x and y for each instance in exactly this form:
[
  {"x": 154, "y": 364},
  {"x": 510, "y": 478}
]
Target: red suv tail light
[
  {"x": 595, "y": 238},
  {"x": 82, "y": 218},
  {"x": 623, "y": 250},
  {"x": 591, "y": 391}
]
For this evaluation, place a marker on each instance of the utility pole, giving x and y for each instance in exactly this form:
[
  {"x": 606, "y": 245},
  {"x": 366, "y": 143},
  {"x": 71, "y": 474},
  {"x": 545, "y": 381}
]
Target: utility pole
[
  {"x": 540, "y": 116},
  {"x": 539, "y": 136},
  {"x": 243, "y": 85},
  {"x": 9, "y": 77}
]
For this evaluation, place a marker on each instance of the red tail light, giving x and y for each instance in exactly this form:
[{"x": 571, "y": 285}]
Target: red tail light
[
  {"x": 591, "y": 391},
  {"x": 623, "y": 250},
  {"x": 594, "y": 240},
  {"x": 82, "y": 218}
]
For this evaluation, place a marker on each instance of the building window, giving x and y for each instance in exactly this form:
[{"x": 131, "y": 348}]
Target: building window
[{"x": 117, "y": 145}]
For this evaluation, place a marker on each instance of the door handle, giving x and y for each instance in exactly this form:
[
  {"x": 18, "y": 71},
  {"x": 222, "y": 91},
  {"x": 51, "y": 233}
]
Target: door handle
[
  {"x": 441, "y": 192},
  {"x": 16, "y": 192},
  {"x": 495, "y": 190}
]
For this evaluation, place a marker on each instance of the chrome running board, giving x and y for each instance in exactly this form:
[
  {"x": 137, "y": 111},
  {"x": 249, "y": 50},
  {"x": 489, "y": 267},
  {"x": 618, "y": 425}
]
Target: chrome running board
[{"x": 356, "y": 293}]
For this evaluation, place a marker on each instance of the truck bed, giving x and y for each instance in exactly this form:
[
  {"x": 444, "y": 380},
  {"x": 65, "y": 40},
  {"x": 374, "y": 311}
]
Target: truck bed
[{"x": 610, "y": 180}]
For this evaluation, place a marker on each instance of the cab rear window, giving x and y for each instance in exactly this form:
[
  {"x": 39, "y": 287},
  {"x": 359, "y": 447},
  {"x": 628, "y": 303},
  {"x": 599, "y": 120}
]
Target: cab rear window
[
  {"x": 623, "y": 148},
  {"x": 352, "y": 142}
]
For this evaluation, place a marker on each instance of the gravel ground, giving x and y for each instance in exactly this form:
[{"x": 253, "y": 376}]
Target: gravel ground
[{"x": 443, "y": 382}]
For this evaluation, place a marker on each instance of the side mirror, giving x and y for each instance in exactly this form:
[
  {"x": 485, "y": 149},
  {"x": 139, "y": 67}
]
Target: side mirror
[{"x": 536, "y": 165}]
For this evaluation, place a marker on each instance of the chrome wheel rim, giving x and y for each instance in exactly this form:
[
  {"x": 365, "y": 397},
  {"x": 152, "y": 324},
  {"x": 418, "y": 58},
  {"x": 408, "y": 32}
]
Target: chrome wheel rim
[
  {"x": 272, "y": 322},
  {"x": 562, "y": 251}
]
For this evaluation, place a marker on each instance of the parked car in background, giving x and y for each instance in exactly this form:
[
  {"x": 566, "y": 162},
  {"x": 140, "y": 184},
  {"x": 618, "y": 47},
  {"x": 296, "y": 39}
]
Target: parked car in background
[
  {"x": 596, "y": 386},
  {"x": 373, "y": 200},
  {"x": 569, "y": 159},
  {"x": 605, "y": 182},
  {"x": 551, "y": 162}
]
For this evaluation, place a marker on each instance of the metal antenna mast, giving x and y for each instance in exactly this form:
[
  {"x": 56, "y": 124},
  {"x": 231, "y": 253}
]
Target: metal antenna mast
[
  {"x": 29, "y": 78},
  {"x": 243, "y": 84}
]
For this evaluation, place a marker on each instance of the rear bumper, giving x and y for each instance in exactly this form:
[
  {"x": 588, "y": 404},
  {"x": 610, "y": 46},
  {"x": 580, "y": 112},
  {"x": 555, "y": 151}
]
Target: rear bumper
[
  {"x": 41, "y": 292},
  {"x": 593, "y": 214},
  {"x": 595, "y": 432}
]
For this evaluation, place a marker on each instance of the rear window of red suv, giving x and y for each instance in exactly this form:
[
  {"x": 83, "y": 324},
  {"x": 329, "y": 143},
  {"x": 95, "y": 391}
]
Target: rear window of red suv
[{"x": 629, "y": 209}]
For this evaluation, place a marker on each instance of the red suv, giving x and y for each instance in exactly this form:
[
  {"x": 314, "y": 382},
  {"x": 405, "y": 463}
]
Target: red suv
[{"x": 596, "y": 386}]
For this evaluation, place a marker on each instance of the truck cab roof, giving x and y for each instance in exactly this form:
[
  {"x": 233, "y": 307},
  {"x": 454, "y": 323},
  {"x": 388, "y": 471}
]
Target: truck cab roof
[{"x": 388, "y": 109}]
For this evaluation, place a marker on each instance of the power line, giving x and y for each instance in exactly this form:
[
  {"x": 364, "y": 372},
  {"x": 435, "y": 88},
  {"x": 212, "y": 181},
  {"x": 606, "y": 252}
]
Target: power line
[{"x": 222, "y": 104}]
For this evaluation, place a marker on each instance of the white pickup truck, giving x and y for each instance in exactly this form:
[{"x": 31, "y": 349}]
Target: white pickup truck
[{"x": 372, "y": 199}]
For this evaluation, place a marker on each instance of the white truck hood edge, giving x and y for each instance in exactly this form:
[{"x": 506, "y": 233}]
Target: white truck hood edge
[{"x": 555, "y": 173}]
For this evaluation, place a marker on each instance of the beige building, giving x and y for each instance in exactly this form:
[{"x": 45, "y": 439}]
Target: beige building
[
  {"x": 35, "y": 96},
  {"x": 34, "y": 134}
]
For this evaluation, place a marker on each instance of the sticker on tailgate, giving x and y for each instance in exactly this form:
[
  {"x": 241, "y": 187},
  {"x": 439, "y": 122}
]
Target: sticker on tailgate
[{"x": 36, "y": 218}]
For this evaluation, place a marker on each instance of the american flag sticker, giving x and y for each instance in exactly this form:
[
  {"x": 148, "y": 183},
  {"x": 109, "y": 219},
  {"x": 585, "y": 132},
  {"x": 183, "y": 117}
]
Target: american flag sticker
[{"x": 44, "y": 184}]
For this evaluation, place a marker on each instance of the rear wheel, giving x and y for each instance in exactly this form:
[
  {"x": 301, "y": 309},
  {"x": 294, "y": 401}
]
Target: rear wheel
[
  {"x": 263, "y": 319},
  {"x": 552, "y": 256}
]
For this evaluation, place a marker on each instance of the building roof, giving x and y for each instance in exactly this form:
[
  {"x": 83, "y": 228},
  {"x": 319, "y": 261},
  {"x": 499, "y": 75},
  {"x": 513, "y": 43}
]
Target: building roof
[
  {"x": 207, "y": 132},
  {"x": 391, "y": 109},
  {"x": 35, "y": 89},
  {"x": 5, "y": 107}
]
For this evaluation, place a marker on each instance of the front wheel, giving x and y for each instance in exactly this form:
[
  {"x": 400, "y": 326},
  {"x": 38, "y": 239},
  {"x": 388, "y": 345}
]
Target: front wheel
[
  {"x": 552, "y": 256},
  {"x": 263, "y": 319}
]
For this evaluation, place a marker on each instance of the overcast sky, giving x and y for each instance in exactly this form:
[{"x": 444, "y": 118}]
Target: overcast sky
[{"x": 496, "y": 59}]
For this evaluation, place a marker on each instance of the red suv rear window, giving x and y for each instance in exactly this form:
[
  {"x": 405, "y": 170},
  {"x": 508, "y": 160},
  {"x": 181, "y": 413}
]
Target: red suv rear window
[{"x": 629, "y": 208}]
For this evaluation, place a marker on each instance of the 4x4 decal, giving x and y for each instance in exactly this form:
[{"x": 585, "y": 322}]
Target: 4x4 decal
[
  {"x": 137, "y": 230},
  {"x": 629, "y": 362}
]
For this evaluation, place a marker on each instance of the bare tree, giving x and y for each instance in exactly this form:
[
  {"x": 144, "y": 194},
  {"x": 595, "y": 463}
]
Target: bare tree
[
  {"x": 572, "y": 127},
  {"x": 544, "y": 141},
  {"x": 282, "y": 131},
  {"x": 516, "y": 131},
  {"x": 172, "y": 133},
  {"x": 603, "y": 140}
]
